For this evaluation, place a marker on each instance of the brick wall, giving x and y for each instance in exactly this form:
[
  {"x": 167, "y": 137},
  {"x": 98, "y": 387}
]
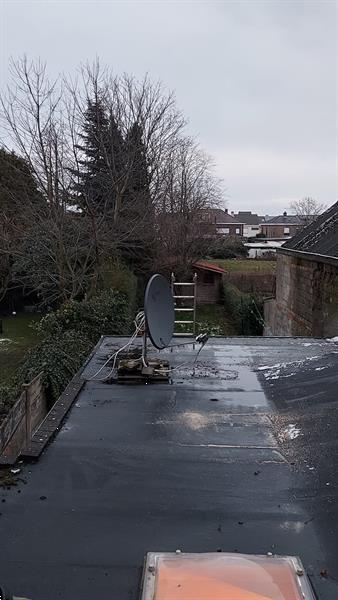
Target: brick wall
[
  {"x": 277, "y": 231},
  {"x": 306, "y": 299}
]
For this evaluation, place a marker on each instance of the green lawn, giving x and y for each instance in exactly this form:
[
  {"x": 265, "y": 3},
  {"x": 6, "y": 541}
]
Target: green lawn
[
  {"x": 245, "y": 264},
  {"x": 211, "y": 318},
  {"x": 16, "y": 338}
]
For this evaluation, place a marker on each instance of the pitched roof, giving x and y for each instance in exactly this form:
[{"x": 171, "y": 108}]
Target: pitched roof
[
  {"x": 218, "y": 216},
  {"x": 320, "y": 237},
  {"x": 249, "y": 218},
  {"x": 284, "y": 220}
]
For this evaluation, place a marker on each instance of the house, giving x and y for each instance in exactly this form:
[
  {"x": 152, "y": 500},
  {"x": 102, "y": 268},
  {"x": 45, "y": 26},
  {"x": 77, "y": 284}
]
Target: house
[
  {"x": 221, "y": 223},
  {"x": 262, "y": 247},
  {"x": 306, "y": 300},
  {"x": 282, "y": 227},
  {"x": 252, "y": 222}
]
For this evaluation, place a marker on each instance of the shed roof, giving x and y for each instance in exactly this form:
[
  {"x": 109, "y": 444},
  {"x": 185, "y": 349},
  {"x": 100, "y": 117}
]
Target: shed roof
[
  {"x": 208, "y": 266},
  {"x": 320, "y": 237}
]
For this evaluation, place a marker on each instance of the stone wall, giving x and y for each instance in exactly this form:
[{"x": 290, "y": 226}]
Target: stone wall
[{"x": 306, "y": 298}]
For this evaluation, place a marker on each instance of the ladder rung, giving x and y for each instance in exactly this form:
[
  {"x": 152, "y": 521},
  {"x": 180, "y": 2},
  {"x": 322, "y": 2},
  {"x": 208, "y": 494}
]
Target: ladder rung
[
  {"x": 184, "y": 297},
  {"x": 177, "y": 283},
  {"x": 181, "y": 322},
  {"x": 185, "y": 334},
  {"x": 184, "y": 309}
]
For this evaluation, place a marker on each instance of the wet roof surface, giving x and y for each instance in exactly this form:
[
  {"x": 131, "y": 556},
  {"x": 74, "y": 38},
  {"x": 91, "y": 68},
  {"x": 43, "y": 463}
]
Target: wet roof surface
[{"x": 240, "y": 457}]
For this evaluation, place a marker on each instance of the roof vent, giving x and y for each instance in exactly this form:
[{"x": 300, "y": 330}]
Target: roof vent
[{"x": 285, "y": 214}]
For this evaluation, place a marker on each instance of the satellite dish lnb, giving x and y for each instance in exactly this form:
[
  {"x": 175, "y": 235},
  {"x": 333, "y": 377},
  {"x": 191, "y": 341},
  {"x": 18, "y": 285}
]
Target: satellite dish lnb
[{"x": 159, "y": 311}]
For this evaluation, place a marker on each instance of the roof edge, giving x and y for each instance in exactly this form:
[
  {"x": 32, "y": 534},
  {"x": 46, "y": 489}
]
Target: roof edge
[{"x": 330, "y": 260}]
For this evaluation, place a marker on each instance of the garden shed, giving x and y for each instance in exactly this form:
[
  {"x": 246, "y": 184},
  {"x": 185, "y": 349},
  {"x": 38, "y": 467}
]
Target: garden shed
[{"x": 209, "y": 281}]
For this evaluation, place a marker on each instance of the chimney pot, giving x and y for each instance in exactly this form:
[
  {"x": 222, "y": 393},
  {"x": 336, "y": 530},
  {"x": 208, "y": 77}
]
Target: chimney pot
[{"x": 285, "y": 214}]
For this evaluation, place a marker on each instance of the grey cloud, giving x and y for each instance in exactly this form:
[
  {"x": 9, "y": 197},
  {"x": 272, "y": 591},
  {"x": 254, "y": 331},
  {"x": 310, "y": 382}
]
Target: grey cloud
[{"x": 256, "y": 79}]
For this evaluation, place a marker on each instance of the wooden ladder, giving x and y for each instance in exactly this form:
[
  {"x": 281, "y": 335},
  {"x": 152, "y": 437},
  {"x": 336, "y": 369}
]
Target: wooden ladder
[{"x": 182, "y": 298}]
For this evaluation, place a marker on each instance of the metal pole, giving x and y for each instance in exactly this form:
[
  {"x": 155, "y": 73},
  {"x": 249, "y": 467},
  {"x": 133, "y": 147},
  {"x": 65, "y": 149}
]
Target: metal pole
[
  {"x": 144, "y": 346},
  {"x": 195, "y": 294}
]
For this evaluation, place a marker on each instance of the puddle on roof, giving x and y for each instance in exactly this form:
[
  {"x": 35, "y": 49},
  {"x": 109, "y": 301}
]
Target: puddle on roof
[
  {"x": 238, "y": 386},
  {"x": 204, "y": 370}
]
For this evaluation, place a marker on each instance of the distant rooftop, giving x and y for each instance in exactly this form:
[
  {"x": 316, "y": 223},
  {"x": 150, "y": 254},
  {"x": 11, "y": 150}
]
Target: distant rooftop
[
  {"x": 284, "y": 219},
  {"x": 219, "y": 216},
  {"x": 249, "y": 218}
]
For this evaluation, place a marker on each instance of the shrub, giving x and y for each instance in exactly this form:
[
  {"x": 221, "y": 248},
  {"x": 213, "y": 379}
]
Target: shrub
[
  {"x": 58, "y": 358},
  {"x": 107, "y": 313},
  {"x": 8, "y": 395},
  {"x": 245, "y": 309},
  {"x": 115, "y": 275},
  {"x": 69, "y": 333},
  {"x": 228, "y": 247}
]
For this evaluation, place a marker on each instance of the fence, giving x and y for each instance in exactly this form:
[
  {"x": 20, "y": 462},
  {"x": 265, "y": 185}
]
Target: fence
[
  {"x": 262, "y": 284},
  {"x": 23, "y": 419}
]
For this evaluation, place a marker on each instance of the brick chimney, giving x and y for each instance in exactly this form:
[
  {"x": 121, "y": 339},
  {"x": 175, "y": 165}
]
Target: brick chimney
[{"x": 226, "y": 211}]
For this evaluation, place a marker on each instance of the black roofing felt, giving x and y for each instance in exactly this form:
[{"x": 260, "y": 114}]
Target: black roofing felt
[
  {"x": 241, "y": 457},
  {"x": 320, "y": 237}
]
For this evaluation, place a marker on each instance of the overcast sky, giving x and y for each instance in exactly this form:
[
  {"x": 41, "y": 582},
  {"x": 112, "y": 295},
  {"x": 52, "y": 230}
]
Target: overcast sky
[{"x": 257, "y": 80}]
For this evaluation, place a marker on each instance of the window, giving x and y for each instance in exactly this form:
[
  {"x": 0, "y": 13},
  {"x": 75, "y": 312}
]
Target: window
[
  {"x": 223, "y": 230},
  {"x": 286, "y": 230},
  {"x": 238, "y": 230}
]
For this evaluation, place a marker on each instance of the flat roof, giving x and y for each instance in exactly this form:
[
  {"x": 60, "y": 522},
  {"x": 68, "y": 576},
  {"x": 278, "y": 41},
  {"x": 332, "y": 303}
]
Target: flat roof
[{"x": 241, "y": 457}]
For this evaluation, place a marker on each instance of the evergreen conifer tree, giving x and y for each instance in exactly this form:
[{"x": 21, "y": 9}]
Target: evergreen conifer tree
[
  {"x": 100, "y": 168},
  {"x": 138, "y": 210}
]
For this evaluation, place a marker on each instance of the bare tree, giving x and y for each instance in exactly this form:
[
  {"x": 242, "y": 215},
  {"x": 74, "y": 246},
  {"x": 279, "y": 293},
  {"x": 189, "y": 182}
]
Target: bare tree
[
  {"x": 55, "y": 254},
  {"x": 189, "y": 187},
  {"x": 130, "y": 106},
  {"x": 307, "y": 209},
  {"x": 154, "y": 181}
]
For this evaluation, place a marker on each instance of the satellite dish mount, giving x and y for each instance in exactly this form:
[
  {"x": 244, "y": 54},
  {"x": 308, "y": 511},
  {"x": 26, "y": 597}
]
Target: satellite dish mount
[{"x": 159, "y": 327}]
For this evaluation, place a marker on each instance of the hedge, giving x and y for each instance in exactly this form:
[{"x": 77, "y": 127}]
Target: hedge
[
  {"x": 245, "y": 310},
  {"x": 67, "y": 336}
]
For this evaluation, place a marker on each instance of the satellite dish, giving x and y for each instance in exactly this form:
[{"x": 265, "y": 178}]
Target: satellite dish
[{"x": 159, "y": 311}]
